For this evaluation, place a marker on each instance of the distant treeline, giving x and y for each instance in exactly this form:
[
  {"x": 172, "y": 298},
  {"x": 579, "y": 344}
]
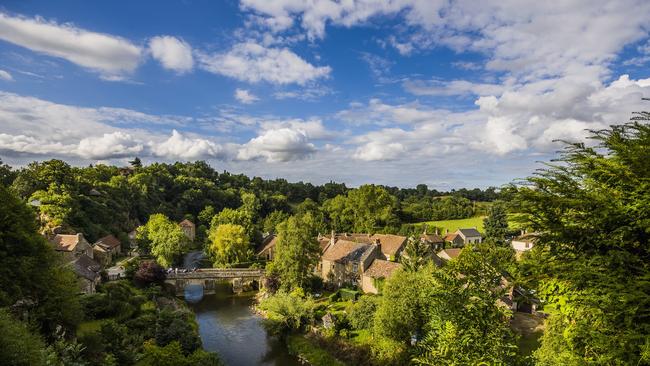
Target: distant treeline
[{"x": 101, "y": 199}]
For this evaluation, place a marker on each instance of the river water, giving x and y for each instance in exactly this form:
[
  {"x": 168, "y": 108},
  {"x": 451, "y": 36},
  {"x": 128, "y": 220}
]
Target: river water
[{"x": 228, "y": 326}]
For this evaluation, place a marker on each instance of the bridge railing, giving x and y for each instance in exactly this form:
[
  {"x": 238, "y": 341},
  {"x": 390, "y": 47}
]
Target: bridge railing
[{"x": 217, "y": 273}]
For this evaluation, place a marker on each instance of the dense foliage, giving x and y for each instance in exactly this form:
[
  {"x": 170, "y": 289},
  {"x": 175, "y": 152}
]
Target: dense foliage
[
  {"x": 591, "y": 264},
  {"x": 163, "y": 238}
]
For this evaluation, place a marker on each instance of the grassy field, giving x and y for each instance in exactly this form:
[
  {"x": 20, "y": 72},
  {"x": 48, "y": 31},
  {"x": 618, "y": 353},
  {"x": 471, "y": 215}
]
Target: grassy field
[{"x": 453, "y": 225}]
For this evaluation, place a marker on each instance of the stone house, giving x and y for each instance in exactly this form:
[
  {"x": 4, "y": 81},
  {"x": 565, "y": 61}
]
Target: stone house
[
  {"x": 434, "y": 241},
  {"x": 189, "y": 229},
  {"x": 378, "y": 271},
  {"x": 72, "y": 246},
  {"x": 391, "y": 246},
  {"x": 88, "y": 273},
  {"x": 449, "y": 253},
  {"x": 266, "y": 250},
  {"x": 107, "y": 248},
  {"x": 344, "y": 261}
]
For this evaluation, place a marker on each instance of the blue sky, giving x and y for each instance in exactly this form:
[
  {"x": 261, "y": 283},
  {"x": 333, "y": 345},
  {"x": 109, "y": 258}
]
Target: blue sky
[{"x": 448, "y": 93}]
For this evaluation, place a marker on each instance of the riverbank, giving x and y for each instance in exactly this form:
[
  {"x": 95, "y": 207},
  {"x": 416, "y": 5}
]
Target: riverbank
[{"x": 309, "y": 352}]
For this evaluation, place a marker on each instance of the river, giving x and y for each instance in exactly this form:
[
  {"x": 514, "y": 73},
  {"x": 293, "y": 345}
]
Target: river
[{"x": 228, "y": 326}]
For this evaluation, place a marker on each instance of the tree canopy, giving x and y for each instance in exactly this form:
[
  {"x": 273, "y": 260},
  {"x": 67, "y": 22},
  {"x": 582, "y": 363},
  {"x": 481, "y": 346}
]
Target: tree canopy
[{"x": 591, "y": 212}]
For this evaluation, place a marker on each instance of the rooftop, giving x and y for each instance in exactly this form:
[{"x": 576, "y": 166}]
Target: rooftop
[{"x": 381, "y": 269}]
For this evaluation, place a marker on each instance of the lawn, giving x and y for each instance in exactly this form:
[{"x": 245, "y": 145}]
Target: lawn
[{"x": 453, "y": 225}]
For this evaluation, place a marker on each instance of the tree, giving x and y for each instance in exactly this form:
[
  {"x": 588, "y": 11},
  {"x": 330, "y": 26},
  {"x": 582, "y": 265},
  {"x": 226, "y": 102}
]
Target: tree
[
  {"x": 136, "y": 163},
  {"x": 172, "y": 355},
  {"x": 416, "y": 255},
  {"x": 496, "y": 224},
  {"x": 591, "y": 260},
  {"x": 362, "y": 312},
  {"x": 373, "y": 207},
  {"x": 31, "y": 279},
  {"x": 168, "y": 242},
  {"x": 228, "y": 244},
  {"x": 286, "y": 312},
  {"x": 149, "y": 272},
  {"x": 296, "y": 251},
  {"x": 272, "y": 221},
  {"x": 18, "y": 345}
]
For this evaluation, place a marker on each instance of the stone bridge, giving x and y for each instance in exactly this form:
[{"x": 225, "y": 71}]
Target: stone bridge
[{"x": 208, "y": 277}]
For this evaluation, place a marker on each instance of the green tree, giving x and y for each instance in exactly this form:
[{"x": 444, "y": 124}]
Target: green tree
[
  {"x": 296, "y": 251},
  {"x": 30, "y": 271},
  {"x": 172, "y": 355},
  {"x": 373, "y": 207},
  {"x": 416, "y": 255},
  {"x": 496, "y": 224},
  {"x": 362, "y": 313},
  {"x": 591, "y": 261},
  {"x": 286, "y": 312},
  {"x": 272, "y": 221},
  {"x": 228, "y": 244},
  {"x": 18, "y": 345},
  {"x": 166, "y": 238}
]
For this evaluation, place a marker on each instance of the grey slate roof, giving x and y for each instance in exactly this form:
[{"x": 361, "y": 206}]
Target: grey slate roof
[
  {"x": 86, "y": 267},
  {"x": 470, "y": 232}
]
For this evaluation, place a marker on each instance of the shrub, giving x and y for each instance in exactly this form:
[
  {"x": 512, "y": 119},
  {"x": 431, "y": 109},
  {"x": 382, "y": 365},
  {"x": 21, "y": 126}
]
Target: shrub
[
  {"x": 287, "y": 312},
  {"x": 149, "y": 272},
  {"x": 362, "y": 313},
  {"x": 347, "y": 294}
]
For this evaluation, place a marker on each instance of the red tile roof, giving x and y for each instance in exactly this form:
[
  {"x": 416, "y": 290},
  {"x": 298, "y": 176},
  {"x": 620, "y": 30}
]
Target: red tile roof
[
  {"x": 186, "y": 223},
  {"x": 66, "y": 242},
  {"x": 390, "y": 244},
  {"x": 109, "y": 241},
  {"x": 381, "y": 269}
]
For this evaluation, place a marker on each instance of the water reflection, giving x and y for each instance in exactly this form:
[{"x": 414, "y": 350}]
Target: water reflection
[{"x": 228, "y": 326}]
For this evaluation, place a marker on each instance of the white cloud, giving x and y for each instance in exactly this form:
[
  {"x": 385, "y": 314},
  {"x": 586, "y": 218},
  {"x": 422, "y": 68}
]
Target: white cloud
[
  {"x": 312, "y": 128},
  {"x": 245, "y": 97},
  {"x": 252, "y": 62},
  {"x": 4, "y": 75},
  {"x": 173, "y": 53},
  {"x": 109, "y": 145},
  {"x": 179, "y": 146},
  {"x": 374, "y": 151},
  {"x": 107, "y": 54},
  {"x": 277, "y": 145}
]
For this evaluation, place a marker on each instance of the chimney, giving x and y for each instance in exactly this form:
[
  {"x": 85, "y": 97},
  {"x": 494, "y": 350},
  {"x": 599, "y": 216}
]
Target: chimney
[
  {"x": 332, "y": 237},
  {"x": 436, "y": 231},
  {"x": 378, "y": 244}
]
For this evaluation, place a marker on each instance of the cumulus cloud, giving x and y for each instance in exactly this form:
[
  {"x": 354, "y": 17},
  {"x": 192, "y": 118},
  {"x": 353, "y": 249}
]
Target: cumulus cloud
[
  {"x": 32, "y": 126},
  {"x": 253, "y": 63},
  {"x": 109, "y": 145},
  {"x": 312, "y": 128},
  {"x": 455, "y": 87},
  {"x": 173, "y": 53},
  {"x": 179, "y": 146},
  {"x": 245, "y": 97},
  {"x": 4, "y": 75},
  {"x": 277, "y": 145},
  {"x": 108, "y": 54},
  {"x": 374, "y": 151}
]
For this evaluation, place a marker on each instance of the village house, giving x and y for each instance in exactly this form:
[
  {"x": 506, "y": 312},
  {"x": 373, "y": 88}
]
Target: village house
[
  {"x": 344, "y": 261},
  {"x": 88, "y": 273},
  {"x": 72, "y": 246},
  {"x": 189, "y": 229},
  {"x": 266, "y": 249},
  {"x": 449, "y": 253},
  {"x": 110, "y": 243},
  {"x": 434, "y": 241},
  {"x": 524, "y": 242},
  {"x": 391, "y": 246},
  {"x": 78, "y": 253},
  {"x": 463, "y": 237},
  {"x": 379, "y": 270}
]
